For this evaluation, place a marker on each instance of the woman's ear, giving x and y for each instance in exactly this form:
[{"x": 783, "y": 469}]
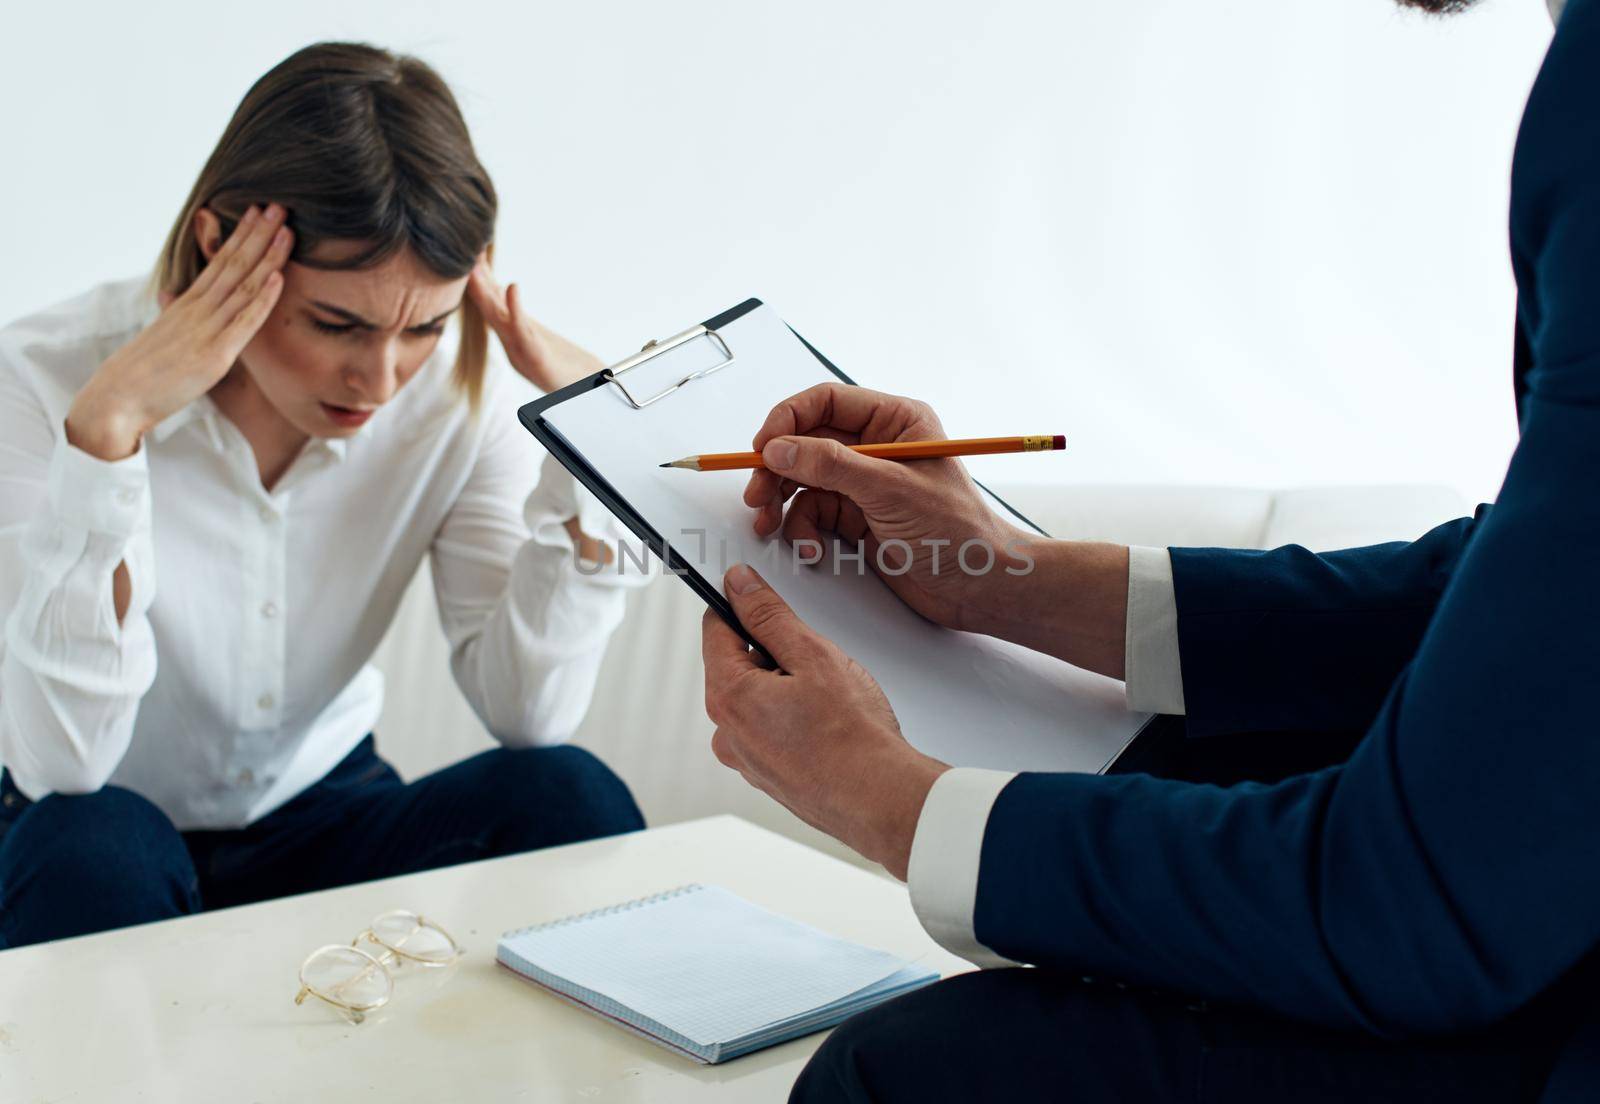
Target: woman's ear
[{"x": 207, "y": 232}]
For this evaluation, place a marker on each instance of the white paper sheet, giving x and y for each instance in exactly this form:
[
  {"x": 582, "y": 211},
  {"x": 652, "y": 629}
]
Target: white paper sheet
[{"x": 966, "y": 699}]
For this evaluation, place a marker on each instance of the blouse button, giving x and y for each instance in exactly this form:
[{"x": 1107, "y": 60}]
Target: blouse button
[
  {"x": 265, "y": 701},
  {"x": 269, "y": 609}
]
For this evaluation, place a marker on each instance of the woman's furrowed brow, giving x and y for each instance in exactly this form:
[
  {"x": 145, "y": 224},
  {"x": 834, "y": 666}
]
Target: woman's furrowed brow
[{"x": 356, "y": 320}]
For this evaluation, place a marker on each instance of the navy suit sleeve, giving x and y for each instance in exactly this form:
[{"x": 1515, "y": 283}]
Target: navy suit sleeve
[
  {"x": 1293, "y": 639},
  {"x": 1445, "y": 875}
]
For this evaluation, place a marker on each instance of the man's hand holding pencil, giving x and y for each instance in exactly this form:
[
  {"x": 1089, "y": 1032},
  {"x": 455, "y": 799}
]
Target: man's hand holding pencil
[{"x": 819, "y": 736}]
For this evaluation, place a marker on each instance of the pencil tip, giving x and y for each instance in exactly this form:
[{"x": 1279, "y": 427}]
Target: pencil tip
[{"x": 666, "y": 465}]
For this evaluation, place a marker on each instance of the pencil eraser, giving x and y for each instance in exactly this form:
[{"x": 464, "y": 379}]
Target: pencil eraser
[{"x": 1059, "y": 441}]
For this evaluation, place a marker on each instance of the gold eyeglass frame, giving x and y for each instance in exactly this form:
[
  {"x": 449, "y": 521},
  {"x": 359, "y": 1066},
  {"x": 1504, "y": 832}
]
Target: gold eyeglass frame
[{"x": 393, "y": 955}]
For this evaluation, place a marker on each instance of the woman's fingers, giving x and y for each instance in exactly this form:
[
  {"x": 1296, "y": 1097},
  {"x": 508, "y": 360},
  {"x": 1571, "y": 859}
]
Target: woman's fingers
[
  {"x": 487, "y": 293},
  {"x": 518, "y": 326},
  {"x": 525, "y": 342},
  {"x": 513, "y": 304},
  {"x": 243, "y": 326},
  {"x": 241, "y": 253},
  {"x": 520, "y": 334},
  {"x": 249, "y": 288},
  {"x": 209, "y": 274}
]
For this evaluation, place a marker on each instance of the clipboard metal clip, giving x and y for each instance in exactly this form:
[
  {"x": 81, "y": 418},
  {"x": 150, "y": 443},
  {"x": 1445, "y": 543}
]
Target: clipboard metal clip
[{"x": 656, "y": 348}]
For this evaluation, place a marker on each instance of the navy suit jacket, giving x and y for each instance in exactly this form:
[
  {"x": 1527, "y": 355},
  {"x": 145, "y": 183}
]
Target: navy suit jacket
[{"x": 1448, "y": 873}]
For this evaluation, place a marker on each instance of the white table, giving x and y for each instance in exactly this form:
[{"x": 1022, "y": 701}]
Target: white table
[{"x": 201, "y": 1008}]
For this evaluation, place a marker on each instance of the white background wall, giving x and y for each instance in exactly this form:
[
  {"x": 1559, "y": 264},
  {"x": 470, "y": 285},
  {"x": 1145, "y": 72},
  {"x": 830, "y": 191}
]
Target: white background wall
[{"x": 1249, "y": 241}]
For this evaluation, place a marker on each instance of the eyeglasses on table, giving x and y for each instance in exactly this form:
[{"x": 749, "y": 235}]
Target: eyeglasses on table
[{"x": 356, "y": 981}]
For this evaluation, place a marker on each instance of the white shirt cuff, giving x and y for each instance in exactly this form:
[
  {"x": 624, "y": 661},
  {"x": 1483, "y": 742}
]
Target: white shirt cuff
[
  {"x": 100, "y": 496},
  {"x": 945, "y": 855},
  {"x": 559, "y": 497},
  {"x": 1153, "y": 671}
]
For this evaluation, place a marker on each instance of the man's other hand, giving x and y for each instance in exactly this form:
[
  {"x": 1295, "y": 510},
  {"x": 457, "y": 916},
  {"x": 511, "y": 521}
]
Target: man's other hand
[{"x": 818, "y": 736}]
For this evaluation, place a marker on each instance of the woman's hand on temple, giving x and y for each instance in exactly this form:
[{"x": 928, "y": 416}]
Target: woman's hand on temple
[
  {"x": 190, "y": 346},
  {"x": 543, "y": 357}
]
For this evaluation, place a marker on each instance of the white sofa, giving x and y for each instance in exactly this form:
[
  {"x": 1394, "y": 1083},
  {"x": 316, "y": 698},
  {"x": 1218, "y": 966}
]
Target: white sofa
[{"x": 647, "y": 719}]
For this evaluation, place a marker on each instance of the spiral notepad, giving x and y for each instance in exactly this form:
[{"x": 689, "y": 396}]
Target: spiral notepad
[{"x": 706, "y": 973}]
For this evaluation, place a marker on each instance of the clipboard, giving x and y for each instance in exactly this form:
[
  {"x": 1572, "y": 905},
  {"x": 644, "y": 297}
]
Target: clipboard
[
  {"x": 532, "y": 418},
  {"x": 715, "y": 351}
]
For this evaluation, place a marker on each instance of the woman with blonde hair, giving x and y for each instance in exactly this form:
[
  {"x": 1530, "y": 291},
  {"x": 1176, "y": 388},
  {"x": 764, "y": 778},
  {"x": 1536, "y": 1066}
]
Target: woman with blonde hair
[{"x": 215, "y": 490}]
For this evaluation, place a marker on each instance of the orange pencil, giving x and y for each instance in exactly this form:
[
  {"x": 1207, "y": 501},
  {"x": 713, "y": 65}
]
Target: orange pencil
[{"x": 896, "y": 450}]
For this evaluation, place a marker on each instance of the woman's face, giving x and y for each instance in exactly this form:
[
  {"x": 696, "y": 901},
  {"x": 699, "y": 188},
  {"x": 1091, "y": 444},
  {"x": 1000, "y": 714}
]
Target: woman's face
[{"x": 341, "y": 343}]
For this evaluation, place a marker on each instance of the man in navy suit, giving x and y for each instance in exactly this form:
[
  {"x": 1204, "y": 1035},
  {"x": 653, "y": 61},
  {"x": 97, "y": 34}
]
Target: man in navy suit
[{"x": 1418, "y": 921}]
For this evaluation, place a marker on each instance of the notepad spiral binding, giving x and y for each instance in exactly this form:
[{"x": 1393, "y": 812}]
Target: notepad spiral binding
[{"x": 625, "y": 906}]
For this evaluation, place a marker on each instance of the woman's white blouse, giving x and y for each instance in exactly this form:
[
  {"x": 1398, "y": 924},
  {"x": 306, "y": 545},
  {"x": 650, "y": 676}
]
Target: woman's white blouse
[{"x": 239, "y": 675}]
